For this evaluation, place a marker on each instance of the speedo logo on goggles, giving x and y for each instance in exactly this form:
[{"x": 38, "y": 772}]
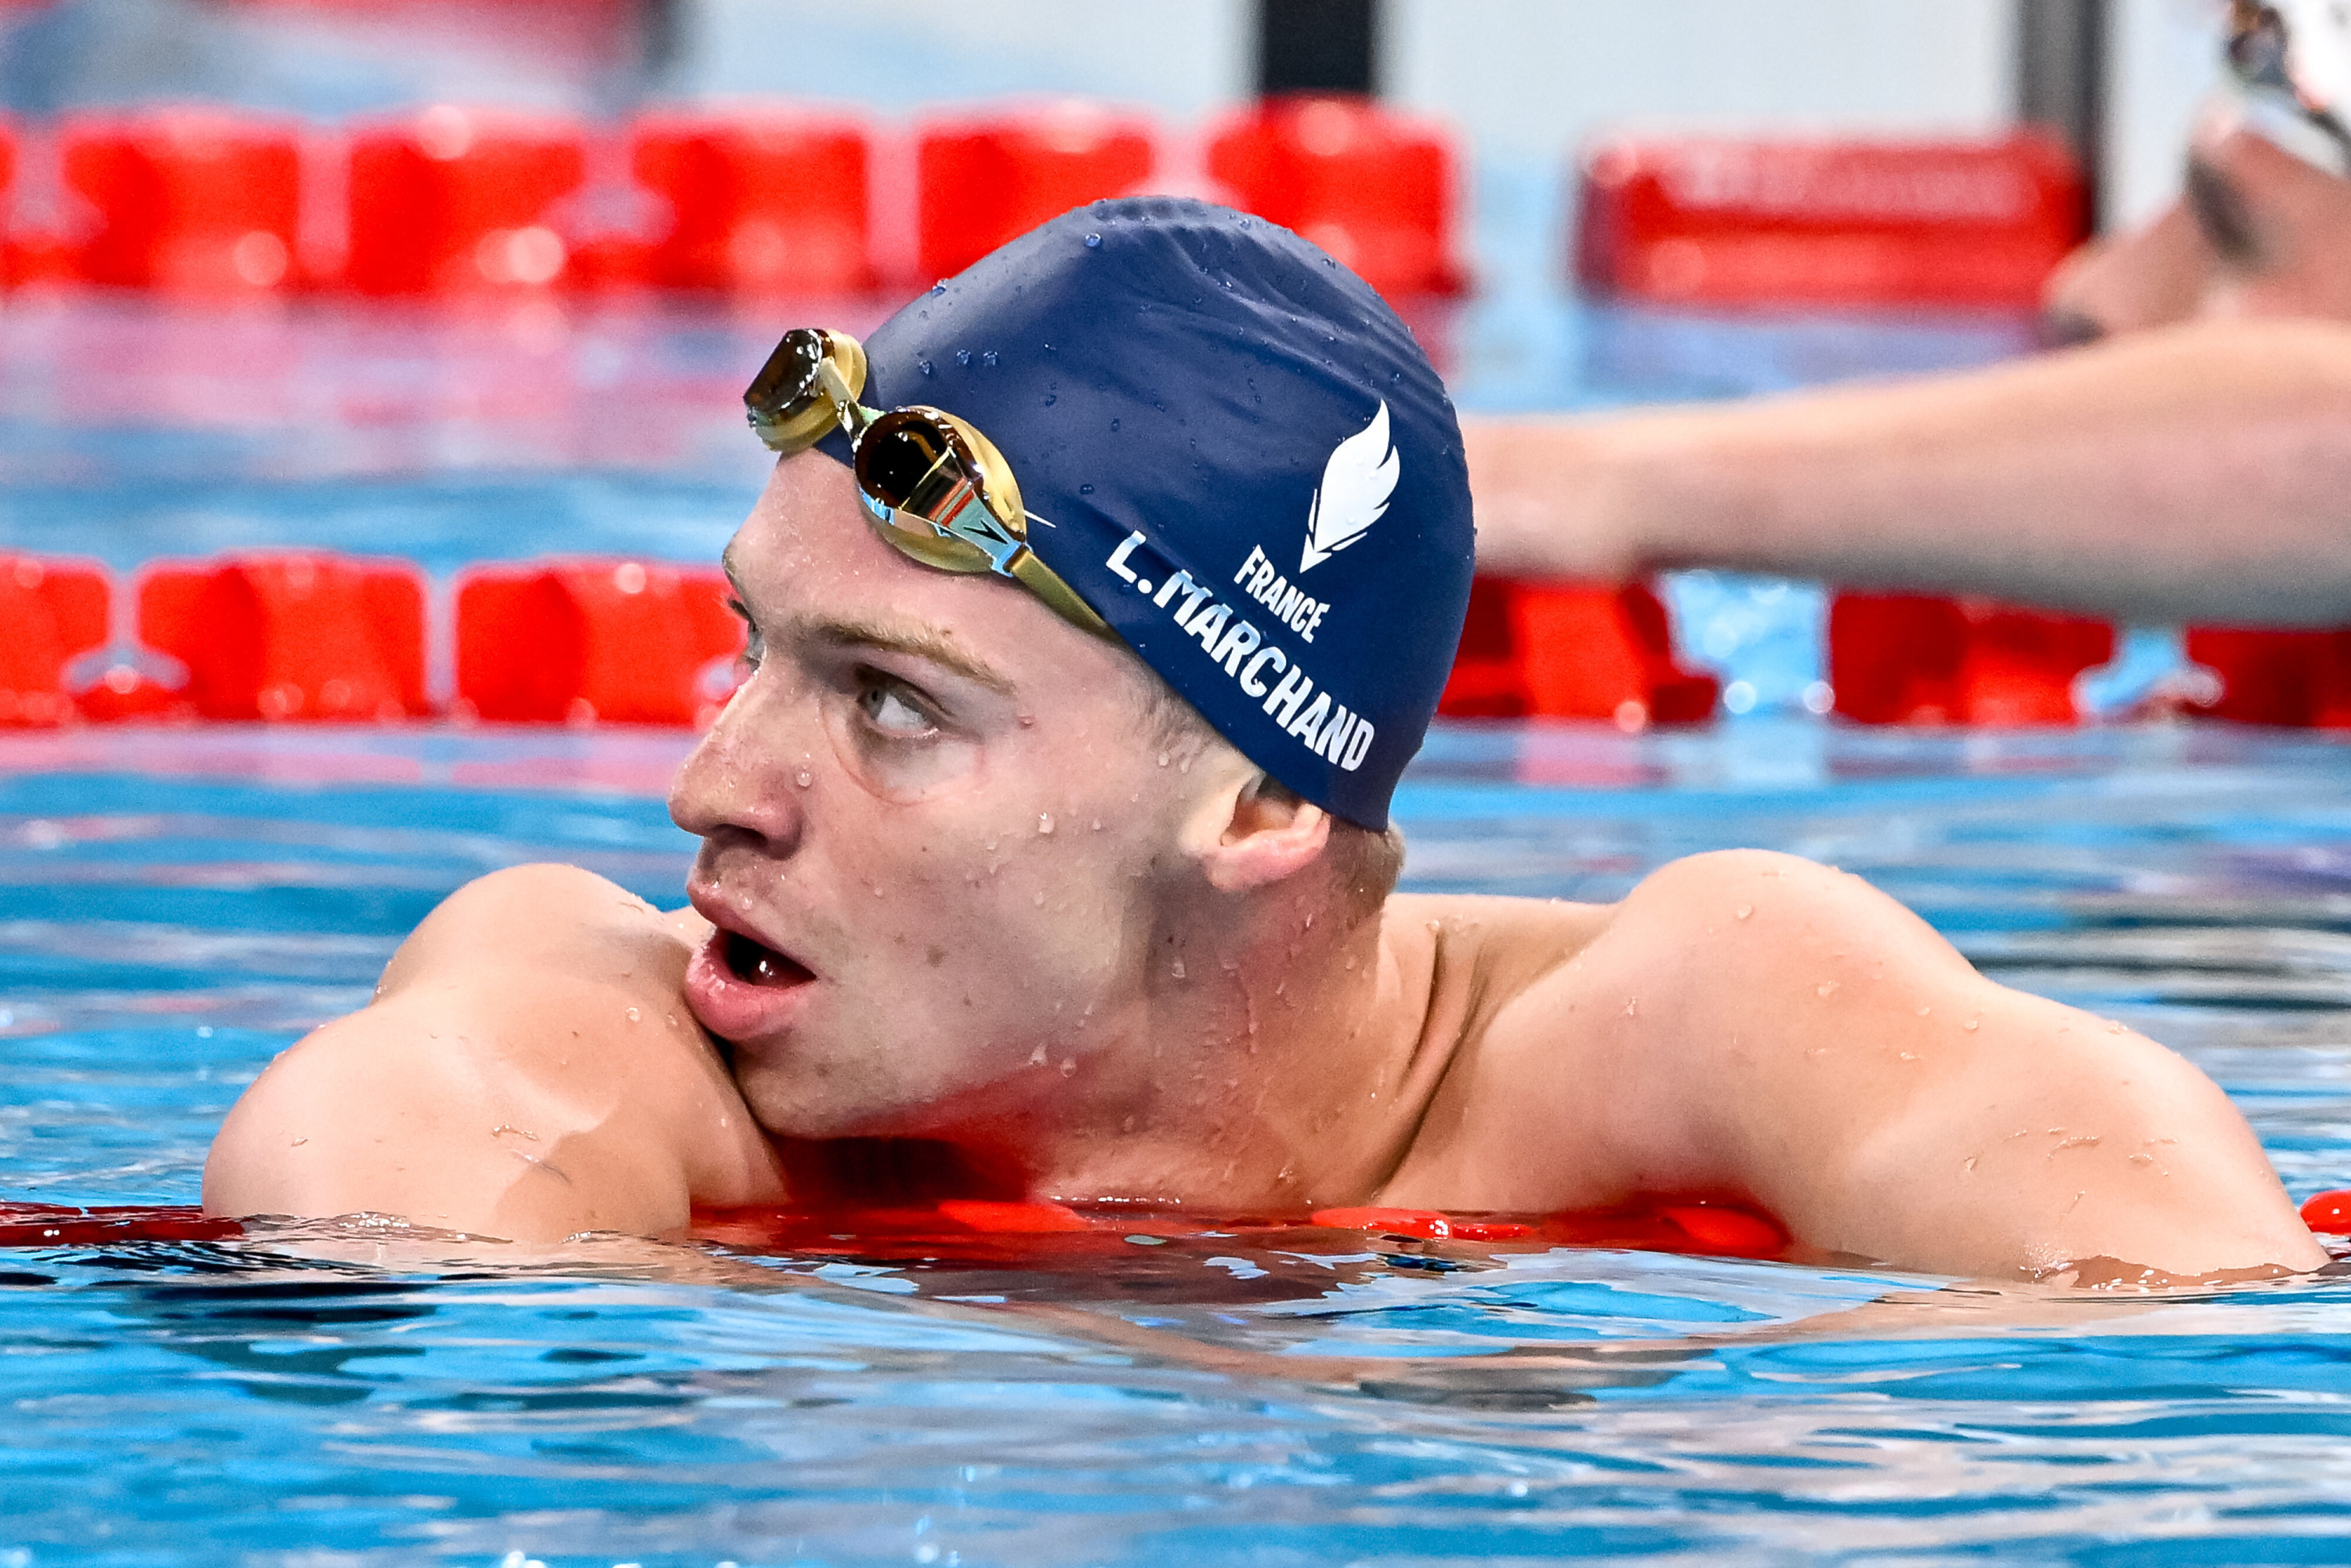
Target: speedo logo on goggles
[{"x": 1324, "y": 725}]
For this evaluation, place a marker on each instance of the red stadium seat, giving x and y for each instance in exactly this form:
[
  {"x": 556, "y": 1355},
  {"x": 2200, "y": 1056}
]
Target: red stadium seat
[
  {"x": 1374, "y": 188},
  {"x": 1560, "y": 650},
  {"x": 1905, "y": 658},
  {"x": 583, "y": 642},
  {"x": 459, "y": 201},
  {"x": 1711, "y": 221},
  {"x": 298, "y": 636},
  {"x": 189, "y": 201},
  {"x": 986, "y": 179},
  {"x": 766, "y": 199},
  {"x": 2301, "y": 679},
  {"x": 55, "y": 611}
]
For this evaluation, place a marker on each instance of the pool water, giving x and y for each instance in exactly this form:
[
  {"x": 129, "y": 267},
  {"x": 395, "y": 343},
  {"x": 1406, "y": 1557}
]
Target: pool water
[{"x": 175, "y": 906}]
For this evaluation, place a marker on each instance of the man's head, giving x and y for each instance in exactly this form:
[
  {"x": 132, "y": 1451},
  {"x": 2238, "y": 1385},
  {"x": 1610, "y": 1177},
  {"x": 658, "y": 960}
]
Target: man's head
[
  {"x": 966, "y": 847},
  {"x": 2264, "y": 227}
]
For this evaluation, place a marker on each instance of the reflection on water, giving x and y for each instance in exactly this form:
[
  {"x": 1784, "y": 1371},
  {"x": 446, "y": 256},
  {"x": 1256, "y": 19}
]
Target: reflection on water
[{"x": 175, "y": 908}]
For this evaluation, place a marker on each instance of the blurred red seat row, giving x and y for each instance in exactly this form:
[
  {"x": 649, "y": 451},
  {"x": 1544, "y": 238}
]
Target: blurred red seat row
[
  {"x": 1713, "y": 220},
  {"x": 311, "y": 636},
  {"x": 758, "y": 198}
]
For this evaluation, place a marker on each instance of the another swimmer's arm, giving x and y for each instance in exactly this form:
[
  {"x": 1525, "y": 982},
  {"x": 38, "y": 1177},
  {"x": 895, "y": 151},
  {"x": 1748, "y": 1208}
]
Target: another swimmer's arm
[
  {"x": 527, "y": 1072},
  {"x": 2195, "y": 472},
  {"x": 1833, "y": 1057}
]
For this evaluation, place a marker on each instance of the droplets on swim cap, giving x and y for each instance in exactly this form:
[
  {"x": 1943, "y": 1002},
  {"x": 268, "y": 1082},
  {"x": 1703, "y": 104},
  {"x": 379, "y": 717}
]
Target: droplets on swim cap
[{"x": 1239, "y": 456}]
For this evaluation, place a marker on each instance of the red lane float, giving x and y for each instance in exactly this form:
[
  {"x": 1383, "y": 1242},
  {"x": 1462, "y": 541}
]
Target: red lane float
[
  {"x": 1907, "y": 658},
  {"x": 291, "y": 635},
  {"x": 460, "y": 200},
  {"x": 54, "y": 1225},
  {"x": 582, "y": 642},
  {"x": 764, "y": 199},
  {"x": 2301, "y": 679},
  {"x": 55, "y": 611},
  {"x": 1001, "y": 1234},
  {"x": 189, "y": 201},
  {"x": 2328, "y": 1213},
  {"x": 1566, "y": 649},
  {"x": 1713, "y": 220},
  {"x": 1018, "y": 1234},
  {"x": 1374, "y": 188},
  {"x": 986, "y": 179}
]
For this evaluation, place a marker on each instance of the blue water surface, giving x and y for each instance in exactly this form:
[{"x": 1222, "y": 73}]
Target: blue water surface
[{"x": 174, "y": 907}]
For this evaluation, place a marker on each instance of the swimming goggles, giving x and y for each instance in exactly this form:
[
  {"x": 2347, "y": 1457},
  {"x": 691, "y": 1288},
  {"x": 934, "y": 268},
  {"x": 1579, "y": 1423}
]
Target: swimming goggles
[
  {"x": 932, "y": 485},
  {"x": 2287, "y": 81}
]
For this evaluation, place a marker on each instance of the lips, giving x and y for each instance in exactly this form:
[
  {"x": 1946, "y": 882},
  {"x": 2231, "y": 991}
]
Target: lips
[{"x": 741, "y": 988}]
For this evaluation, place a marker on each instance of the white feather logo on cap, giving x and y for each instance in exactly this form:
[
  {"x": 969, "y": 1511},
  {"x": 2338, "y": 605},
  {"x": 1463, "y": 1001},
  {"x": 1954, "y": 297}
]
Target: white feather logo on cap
[{"x": 1356, "y": 484}]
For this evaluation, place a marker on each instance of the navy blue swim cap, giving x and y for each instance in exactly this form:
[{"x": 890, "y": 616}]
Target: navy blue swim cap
[{"x": 1252, "y": 471}]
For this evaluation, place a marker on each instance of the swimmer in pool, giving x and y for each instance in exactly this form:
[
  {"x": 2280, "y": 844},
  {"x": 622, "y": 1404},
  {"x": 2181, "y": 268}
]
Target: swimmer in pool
[
  {"x": 2193, "y": 463},
  {"x": 1096, "y": 604}
]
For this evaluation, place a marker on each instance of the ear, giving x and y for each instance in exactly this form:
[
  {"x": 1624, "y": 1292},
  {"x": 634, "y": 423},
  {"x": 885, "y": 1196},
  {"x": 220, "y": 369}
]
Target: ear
[{"x": 1254, "y": 832}]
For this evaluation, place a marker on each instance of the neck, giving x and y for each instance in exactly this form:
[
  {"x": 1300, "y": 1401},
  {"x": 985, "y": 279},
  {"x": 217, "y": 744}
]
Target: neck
[{"x": 1273, "y": 1058}]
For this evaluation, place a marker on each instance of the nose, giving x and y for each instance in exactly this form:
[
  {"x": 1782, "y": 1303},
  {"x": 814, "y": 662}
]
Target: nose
[{"x": 740, "y": 778}]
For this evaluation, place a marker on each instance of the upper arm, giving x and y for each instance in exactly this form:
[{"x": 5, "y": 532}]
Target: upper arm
[
  {"x": 527, "y": 1071},
  {"x": 1830, "y": 1054}
]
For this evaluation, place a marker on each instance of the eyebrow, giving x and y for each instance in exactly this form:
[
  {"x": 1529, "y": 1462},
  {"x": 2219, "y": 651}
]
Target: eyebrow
[{"x": 914, "y": 641}]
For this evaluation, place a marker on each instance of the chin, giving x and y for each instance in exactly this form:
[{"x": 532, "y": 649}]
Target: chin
[{"x": 790, "y": 1101}]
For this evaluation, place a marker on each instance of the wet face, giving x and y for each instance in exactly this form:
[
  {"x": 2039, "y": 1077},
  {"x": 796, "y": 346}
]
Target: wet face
[{"x": 935, "y": 831}]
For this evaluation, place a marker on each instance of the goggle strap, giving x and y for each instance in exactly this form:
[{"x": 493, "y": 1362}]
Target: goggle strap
[{"x": 1046, "y": 583}]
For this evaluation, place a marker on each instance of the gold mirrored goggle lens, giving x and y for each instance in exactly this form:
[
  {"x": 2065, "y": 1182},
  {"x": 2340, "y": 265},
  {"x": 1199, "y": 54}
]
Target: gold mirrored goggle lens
[
  {"x": 914, "y": 462},
  {"x": 807, "y": 389}
]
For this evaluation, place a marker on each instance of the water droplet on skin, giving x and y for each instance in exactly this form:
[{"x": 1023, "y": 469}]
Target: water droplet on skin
[
  {"x": 1909, "y": 1055},
  {"x": 1631, "y": 1007},
  {"x": 1163, "y": 760},
  {"x": 989, "y": 359},
  {"x": 1085, "y": 489},
  {"x": 1037, "y": 1057},
  {"x": 1972, "y": 1025},
  {"x": 1745, "y": 910},
  {"x": 804, "y": 778},
  {"x": 940, "y": 286},
  {"x": 1044, "y": 822},
  {"x": 1040, "y": 901},
  {"x": 925, "y": 366},
  {"x": 1970, "y": 1163},
  {"x": 632, "y": 1015},
  {"x": 1924, "y": 1011},
  {"x": 1825, "y": 988},
  {"x": 878, "y": 891},
  {"x": 2114, "y": 1028},
  {"x": 1179, "y": 968},
  {"x": 1094, "y": 242},
  {"x": 1113, "y": 427},
  {"x": 1069, "y": 1066}
]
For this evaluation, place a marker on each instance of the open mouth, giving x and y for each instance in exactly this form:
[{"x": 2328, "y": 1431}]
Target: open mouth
[{"x": 754, "y": 964}]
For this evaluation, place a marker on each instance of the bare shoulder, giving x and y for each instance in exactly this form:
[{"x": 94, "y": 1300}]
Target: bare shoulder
[
  {"x": 528, "y": 1069},
  {"x": 1754, "y": 1025}
]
